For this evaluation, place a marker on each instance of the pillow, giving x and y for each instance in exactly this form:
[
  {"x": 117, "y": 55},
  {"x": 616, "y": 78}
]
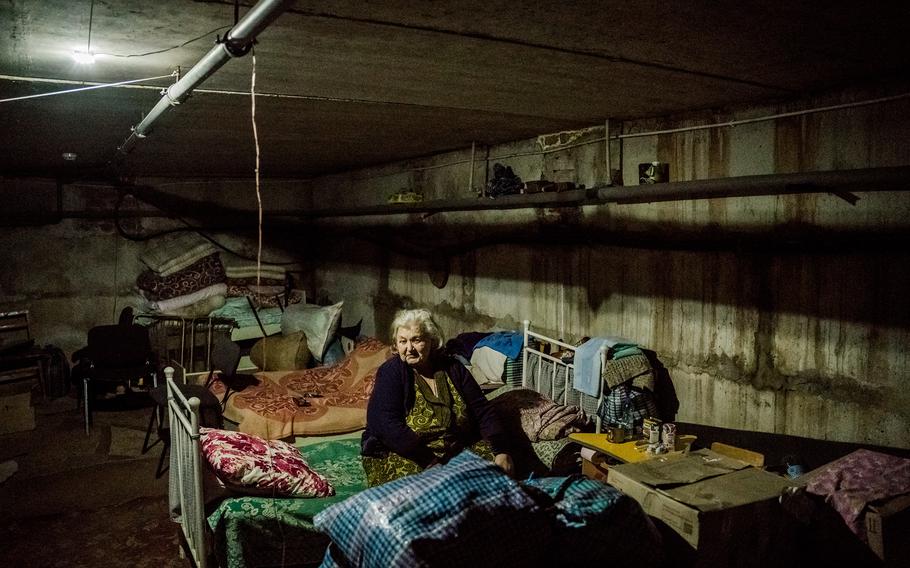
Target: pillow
[
  {"x": 319, "y": 323},
  {"x": 250, "y": 464},
  {"x": 281, "y": 352},
  {"x": 335, "y": 352}
]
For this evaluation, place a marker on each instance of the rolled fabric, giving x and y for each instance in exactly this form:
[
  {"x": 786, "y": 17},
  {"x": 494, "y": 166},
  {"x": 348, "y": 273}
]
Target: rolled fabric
[
  {"x": 172, "y": 253},
  {"x": 251, "y": 271},
  {"x": 252, "y": 281},
  {"x": 203, "y": 273},
  {"x": 169, "y": 305},
  {"x": 200, "y": 309}
]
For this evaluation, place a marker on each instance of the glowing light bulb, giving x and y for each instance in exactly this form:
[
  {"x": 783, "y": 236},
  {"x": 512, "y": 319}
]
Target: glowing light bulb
[{"x": 83, "y": 57}]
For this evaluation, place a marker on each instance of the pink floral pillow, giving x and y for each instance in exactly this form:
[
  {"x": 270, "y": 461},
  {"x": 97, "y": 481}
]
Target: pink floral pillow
[{"x": 253, "y": 465}]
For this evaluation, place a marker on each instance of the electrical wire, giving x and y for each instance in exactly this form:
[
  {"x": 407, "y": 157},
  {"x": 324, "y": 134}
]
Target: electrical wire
[
  {"x": 189, "y": 227},
  {"x": 91, "y": 18},
  {"x": 258, "y": 188},
  {"x": 166, "y": 49},
  {"x": 89, "y": 88}
]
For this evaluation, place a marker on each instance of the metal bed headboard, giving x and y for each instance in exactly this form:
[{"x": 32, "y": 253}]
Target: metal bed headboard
[
  {"x": 554, "y": 377},
  {"x": 185, "y": 484}
]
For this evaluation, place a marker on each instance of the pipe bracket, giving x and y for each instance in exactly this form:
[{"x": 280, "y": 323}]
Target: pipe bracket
[{"x": 236, "y": 47}]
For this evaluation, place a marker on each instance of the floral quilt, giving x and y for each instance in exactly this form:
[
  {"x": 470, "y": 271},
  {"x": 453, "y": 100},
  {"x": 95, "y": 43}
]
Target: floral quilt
[{"x": 323, "y": 400}]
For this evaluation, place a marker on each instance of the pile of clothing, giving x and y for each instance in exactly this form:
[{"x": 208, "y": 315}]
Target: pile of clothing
[
  {"x": 492, "y": 358},
  {"x": 504, "y": 182},
  {"x": 184, "y": 276},
  {"x": 626, "y": 374},
  {"x": 267, "y": 285}
]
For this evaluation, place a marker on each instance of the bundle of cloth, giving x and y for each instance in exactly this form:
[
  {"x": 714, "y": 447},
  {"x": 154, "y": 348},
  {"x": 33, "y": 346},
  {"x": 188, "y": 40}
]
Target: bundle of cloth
[
  {"x": 535, "y": 415},
  {"x": 184, "y": 276},
  {"x": 486, "y": 354},
  {"x": 627, "y": 375},
  {"x": 267, "y": 285}
]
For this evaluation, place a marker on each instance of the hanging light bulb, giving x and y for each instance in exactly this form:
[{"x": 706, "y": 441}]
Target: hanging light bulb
[
  {"x": 83, "y": 57},
  {"x": 87, "y": 57}
]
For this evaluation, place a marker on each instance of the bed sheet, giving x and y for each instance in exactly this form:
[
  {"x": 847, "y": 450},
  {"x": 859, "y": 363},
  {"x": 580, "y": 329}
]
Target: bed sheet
[{"x": 254, "y": 532}]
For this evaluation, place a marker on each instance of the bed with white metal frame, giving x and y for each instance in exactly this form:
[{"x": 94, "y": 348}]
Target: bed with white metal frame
[
  {"x": 542, "y": 372},
  {"x": 186, "y": 476},
  {"x": 553, "y": 377}
]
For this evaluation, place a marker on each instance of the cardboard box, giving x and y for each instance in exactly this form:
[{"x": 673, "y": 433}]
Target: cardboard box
[
  {"x": 16, "y": 413},
  {"x": 704, "y": 496},
  {"x": 887, "y": 527}
]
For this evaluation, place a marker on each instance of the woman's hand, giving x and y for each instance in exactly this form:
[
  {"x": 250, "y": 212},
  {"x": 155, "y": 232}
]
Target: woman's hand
[{"x": 504, "y": 461}]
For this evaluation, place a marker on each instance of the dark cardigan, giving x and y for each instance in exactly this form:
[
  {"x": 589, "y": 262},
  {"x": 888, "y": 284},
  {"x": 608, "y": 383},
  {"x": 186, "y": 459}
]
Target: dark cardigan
[{"x": 393, "y": 399}]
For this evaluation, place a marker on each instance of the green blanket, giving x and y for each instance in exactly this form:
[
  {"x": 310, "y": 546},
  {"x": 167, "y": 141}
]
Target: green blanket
[{"x": 263, "y": 531}]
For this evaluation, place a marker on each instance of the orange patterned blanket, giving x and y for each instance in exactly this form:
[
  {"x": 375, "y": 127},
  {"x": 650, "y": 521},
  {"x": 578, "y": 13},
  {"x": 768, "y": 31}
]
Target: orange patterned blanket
[{"x": 271, "y": 408}]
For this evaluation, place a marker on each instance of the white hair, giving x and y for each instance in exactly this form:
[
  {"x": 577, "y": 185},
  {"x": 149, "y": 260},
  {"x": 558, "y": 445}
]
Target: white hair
[{"x": 424, "y": 321}]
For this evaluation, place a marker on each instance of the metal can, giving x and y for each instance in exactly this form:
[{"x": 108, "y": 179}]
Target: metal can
[
  {"x": 669, "y": 436},
  {"x": 616, "y": 434},
  {"x": 651, "y": 430}
]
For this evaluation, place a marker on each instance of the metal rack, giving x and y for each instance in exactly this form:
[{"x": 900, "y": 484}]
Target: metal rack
[{"x": 188, "y": 341}]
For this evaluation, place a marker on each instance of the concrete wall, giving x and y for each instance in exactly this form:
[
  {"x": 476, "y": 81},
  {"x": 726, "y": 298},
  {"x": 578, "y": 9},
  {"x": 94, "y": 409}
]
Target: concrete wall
[
  {"x": 78, "y": 272},
  {"x": 783, "y": 314}
]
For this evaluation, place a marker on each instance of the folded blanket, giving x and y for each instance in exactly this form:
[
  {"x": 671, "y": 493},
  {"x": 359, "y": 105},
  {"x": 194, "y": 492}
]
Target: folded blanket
[
  {"x": 537, "y": 416},
  {"x": 487, "y": 366},
  {"x": 205, "y": 272},
  {"x": 851, "y": 482},
  {"x": 506, "y": 342},
  {"x": 252, "y": 289},
  {"x": 618, "y": 371},
  {"x": 252, "y": 281},
  {"x": 167, "y": 306},
  {"x": 200, "y": 309},
  {"x": 238, "y": 309},
  {"x": 621, "y": 350},
  {"x": 250, "y": 271},
  {"x": 174, "y": 252}
]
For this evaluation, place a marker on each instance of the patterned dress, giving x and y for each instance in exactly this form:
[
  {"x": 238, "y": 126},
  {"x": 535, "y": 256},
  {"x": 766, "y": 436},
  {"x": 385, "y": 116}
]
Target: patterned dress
[{"x": 442, "y": 423}]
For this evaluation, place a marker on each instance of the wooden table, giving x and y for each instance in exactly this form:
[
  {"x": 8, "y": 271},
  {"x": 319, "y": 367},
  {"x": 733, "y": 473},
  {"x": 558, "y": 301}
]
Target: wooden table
[{"x": 626, "y": 452}]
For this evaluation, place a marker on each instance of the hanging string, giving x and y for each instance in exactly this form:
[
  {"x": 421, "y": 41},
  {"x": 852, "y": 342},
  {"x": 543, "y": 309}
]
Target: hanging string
[
  {"x": 258, "y": 189},
  {"x": 259, "y": 265},
  {"x": 91, "y": 18},
  {"x": 89, "y": 88}
]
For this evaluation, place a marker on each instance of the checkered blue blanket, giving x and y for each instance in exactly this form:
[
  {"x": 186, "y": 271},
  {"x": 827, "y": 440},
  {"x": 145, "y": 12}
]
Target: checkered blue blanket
[{"x": 468, "y": 513}]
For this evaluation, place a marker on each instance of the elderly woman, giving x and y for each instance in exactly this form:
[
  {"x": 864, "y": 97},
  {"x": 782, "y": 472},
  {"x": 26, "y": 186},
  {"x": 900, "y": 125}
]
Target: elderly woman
[{"x": 425, "y": 408}]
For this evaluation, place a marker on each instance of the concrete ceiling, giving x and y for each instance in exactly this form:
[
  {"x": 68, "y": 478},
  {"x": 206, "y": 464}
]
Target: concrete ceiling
[{"x": 346, "y": 84}]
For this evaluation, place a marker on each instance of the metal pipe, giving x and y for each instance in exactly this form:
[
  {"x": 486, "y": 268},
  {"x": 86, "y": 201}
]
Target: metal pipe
[
  {"x": 236, "y": 44},
  {"x": 608, "y": 163},
  {"x": 836, "y": 181},
  {"x": 471, "y": 173}
]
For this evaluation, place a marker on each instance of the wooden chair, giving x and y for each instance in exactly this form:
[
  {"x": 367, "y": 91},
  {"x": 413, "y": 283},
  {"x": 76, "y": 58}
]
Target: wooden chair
[{"x": 20, "y": 361}]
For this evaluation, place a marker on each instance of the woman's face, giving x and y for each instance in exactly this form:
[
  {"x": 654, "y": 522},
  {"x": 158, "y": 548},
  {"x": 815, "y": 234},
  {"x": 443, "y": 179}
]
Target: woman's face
[{"x": 414, "y": 346}]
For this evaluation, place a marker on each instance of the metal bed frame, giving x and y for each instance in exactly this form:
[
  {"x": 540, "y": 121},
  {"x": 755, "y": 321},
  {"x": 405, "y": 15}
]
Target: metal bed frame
[
  {"x": 186, "y": 483},
  {"x": 556, "y": 368},
  {"x": 187, "y": 467}
]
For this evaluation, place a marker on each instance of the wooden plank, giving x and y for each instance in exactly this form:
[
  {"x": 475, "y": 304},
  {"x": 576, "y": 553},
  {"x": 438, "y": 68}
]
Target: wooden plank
[{"x": 752, "y": 458}]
